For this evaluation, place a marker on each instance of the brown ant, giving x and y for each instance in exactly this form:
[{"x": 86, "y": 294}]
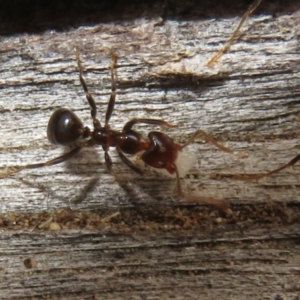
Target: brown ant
[
  {"x": 66, "y": 129},
  {"x": 160, "y": 151}
]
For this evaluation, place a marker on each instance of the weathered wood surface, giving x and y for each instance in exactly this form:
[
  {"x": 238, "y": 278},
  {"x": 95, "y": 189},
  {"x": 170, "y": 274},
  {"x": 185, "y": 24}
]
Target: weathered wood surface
[{"x": 137, "y": 240}]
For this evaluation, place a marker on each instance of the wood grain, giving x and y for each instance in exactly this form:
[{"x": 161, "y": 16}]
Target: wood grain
[{"x": 132, "y": 238}]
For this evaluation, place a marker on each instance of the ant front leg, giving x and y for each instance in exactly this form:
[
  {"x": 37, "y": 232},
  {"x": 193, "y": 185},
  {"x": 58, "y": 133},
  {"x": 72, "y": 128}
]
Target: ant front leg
[
  {"x": 89, "y": 97},
  {"x": 209, "y": 139},
  {"x": 55, "y": 161},
  {"x": 219, "y": 204},
  {"x": 179, "y": 189}
]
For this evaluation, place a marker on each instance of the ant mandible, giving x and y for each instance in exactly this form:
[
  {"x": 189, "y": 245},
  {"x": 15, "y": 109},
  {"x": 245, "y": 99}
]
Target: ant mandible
[{"x": 66, "y": 129}]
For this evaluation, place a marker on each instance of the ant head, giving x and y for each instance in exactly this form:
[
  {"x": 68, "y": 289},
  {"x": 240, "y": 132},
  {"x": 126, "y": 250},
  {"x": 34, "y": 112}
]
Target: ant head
[{"x": 64, "y": 127}]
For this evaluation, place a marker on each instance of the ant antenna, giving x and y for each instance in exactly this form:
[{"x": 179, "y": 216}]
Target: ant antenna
[
  {"x": 235, "y": 34},
  {"x": 259, "y": 176}
]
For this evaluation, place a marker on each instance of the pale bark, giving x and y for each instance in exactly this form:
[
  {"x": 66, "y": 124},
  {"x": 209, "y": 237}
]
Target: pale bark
[{"x": 156, "y": 248}]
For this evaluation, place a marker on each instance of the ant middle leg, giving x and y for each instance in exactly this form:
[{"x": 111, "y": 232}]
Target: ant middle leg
[
  {"x": 55, "y": 161},
  {"x": 89, "y": 97},
  {"x": 128, "y": 126},
  {"x": 208, "y": 139}
]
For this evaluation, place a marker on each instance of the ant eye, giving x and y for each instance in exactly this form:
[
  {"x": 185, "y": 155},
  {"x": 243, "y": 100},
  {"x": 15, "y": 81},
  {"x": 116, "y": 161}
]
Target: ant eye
[{"x": 64, "y": 127}]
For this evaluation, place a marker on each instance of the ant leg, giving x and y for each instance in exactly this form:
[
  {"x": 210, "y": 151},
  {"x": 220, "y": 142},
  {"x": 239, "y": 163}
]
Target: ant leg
[
  {"x": 129, "y": 163},
  {"x": 89, "y": 97},
  {"x": 208, "y": 139},
  {"x": 221, "y": 205},
  {"x": 259, "y": 176},
  {"x": 111, "y": 103},
  {"x": 108, "y": 160},
  {"x": 57, "y": 160},
  {"x": 179, "y": 189},
  {"x": 158, "y": 122},
  {"x": 235, "y": 34}
]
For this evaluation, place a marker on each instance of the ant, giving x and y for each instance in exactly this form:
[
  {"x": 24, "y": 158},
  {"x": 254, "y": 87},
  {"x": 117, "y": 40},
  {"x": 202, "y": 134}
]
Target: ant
[{"x": 159, "y": 150}]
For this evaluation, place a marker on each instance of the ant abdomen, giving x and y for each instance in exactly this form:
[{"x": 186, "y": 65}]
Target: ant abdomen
[{"x": 64, "y": 127}]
